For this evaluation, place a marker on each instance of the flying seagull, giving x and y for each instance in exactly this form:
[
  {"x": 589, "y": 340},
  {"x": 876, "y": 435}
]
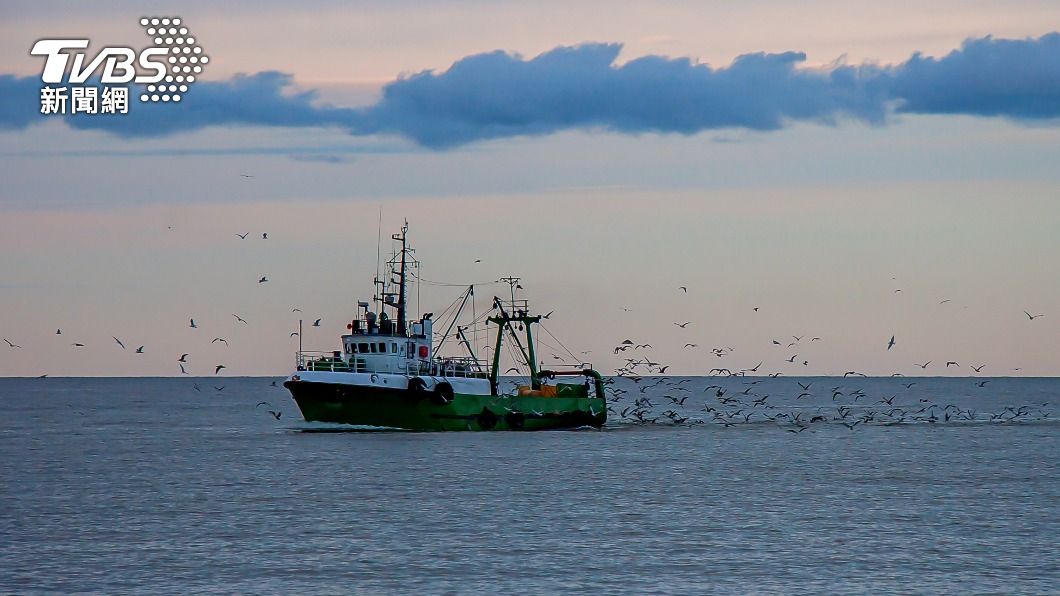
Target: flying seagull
[
  {"x": 683, "y": 289},
  {"x": 890, "y": 344},
  {"x": 218, "y": 368},
  {"x": 247, "y": 175},
  {"x": 119, "y": 342},
  {"x": 239, "y": 318},
  {"x": 264, "y": 235},
  {"x": 683, "y": 325},
  {"x": 263, "y": 279},
  {"x": 276, "y": 414},
  {"x": 217, "y": 339},
  {"x": 140, "y": 350},
  {"x": 182, "y": 371},
  {"x": 1032, "y": 317},
  {"x": 58, "y": 331},
  {"x": 191, "y": 323},
  {"x": 924, "y": 365},
  {"x": 316, "y": 323},
  {"x": 243, "y": 236},
  {"x": 78, "y": 345},
  {"x": 11, "y": 345},
  {"x": 953, "y": 363},
  {"x": 183, "y": 358}
]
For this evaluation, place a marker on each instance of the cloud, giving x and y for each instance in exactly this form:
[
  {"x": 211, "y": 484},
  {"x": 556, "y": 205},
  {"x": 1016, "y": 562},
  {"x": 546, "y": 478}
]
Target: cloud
[
  {"x": 330, "y": 158},
  {"x": 19, "y": 101},
  {"x": 497, "y": 95},
  {"x": 261, "y": 99},
  {"x": 500, "y": 95},
  {"x": 1014, "y": 78}
]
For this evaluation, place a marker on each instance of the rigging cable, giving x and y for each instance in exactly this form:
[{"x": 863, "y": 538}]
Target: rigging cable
[
  {"x": 558, "y": 341},
  {"x": 458, "y": 285}
]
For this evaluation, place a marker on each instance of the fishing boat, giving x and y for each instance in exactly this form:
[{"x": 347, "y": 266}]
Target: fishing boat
[{"x": 388, "y": 371}]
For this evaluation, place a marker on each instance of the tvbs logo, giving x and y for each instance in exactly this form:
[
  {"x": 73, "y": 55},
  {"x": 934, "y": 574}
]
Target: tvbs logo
[
  {"x": 167, "y": 68},
  {"x": 118, "y": 63}
]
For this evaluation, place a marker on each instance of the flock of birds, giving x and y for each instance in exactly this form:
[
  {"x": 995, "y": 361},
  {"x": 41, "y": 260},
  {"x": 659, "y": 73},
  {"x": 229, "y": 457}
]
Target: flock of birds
[
  {"x": 738, "y": 395},
  {"x": 182, "y": 360},
  {"x": 726, "y": 404},
  {"x": 650, "y": 400}
]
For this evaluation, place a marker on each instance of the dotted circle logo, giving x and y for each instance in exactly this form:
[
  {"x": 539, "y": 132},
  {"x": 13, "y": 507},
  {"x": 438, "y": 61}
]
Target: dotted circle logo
[{"x": 185, "y": 58}]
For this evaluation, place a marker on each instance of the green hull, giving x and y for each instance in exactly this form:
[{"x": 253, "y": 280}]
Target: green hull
[{"x": 389, "y": 408}]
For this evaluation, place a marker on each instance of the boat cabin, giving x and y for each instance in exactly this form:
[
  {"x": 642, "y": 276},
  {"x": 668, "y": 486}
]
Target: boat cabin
[
  {"x": 377, "y": 343},
  {"x": 381, "y": 347}
]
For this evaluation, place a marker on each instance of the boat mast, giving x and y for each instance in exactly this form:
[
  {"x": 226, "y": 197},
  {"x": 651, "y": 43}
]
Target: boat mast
[
  {"x": 401, "y": 278},
  {"x": 505, "y": 322},
  {"x": 381, "y": 289}
]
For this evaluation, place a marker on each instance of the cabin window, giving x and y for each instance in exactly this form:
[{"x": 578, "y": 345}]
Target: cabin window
[
  {"x": 382, "y": 348},
  {"x": 393, "y": 348},
  {"x": 362, "y": 348}
]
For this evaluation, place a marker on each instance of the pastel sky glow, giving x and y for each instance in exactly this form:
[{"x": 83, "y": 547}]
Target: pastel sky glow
[{"x": 807, "y": 160}]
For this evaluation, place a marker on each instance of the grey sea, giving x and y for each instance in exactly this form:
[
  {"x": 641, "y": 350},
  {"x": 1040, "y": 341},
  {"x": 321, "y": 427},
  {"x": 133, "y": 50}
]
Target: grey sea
[{"x": 175, "y": 486}]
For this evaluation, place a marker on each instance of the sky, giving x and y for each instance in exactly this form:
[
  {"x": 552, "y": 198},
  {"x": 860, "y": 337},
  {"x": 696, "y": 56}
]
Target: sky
[{"x": 852, "y": 170}]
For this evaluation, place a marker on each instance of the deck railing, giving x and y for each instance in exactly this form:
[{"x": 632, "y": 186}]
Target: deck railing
[
  {"x": 444, "y": 367},
  {"x": 514, "y": 307}
]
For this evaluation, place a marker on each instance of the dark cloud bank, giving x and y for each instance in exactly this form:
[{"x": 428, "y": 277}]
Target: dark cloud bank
[{"x": 495, "y": 95}]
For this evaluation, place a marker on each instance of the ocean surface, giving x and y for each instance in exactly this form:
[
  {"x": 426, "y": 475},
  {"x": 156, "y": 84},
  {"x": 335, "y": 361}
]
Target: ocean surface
[{"x": 155, "y": 486}]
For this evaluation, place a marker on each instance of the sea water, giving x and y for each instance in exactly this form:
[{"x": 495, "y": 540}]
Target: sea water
[{"x": 138, "y": 485}]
